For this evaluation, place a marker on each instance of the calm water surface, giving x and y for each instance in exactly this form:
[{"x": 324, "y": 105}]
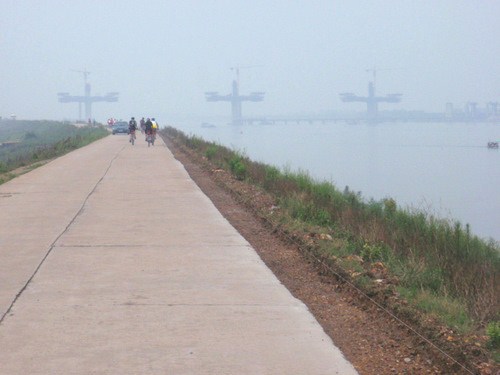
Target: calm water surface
[{"x": 443, "y": 169}]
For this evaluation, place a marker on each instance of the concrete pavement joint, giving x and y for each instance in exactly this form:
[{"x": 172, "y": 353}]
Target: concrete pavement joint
[
  {"x": 202, "y": 304},
  {"x": 107, "y": 245},
  {"x": 149, "y": 246},
  {"x": 52, "y": 246}
]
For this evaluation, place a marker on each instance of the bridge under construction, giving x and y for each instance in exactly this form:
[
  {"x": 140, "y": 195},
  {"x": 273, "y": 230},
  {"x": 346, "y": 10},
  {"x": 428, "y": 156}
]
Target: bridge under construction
[{"x": 86, "y": 99}]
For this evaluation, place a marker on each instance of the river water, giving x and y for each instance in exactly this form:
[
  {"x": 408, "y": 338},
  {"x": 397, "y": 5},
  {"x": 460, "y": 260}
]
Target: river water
[{"x": 444, "y": 169}]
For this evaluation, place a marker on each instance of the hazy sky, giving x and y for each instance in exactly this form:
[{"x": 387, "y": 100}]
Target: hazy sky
[{"x": 162, "y": 55}]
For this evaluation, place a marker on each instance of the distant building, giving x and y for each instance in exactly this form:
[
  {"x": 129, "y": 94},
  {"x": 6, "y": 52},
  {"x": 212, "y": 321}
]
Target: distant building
[{"x": 472, "y": 111}]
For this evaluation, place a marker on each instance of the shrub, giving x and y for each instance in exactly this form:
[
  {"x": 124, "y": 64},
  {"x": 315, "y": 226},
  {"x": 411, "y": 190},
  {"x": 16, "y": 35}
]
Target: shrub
[
  {"x": 237, "y": 166},
  {"x": 307, "y": 212},
  {"x": 493, "y": 332},
  {"x": 211, "y": 151},
  {"x": 194, "y": 142},
  {"x": 322, "y": 217},
  {"x": 271, "y": 173},
  {"x": 390, "y": 206},
  {"x": 371, "y": 252}
]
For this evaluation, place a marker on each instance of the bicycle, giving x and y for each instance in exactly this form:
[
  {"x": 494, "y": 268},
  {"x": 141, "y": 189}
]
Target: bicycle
[
  {"x": 150, "y": 139},
  {"x": 132, "y": 137},
  {"x": 153, "y": 135}
]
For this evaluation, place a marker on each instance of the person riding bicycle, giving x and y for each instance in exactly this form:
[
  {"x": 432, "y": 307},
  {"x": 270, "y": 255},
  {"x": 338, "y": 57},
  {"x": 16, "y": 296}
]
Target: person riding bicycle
[
  {"x": 148, "y": 127},
  {"x": 143, "y": 124},
  {"x": 132, "y": 127},
  {"x": 154, "y": 127}
]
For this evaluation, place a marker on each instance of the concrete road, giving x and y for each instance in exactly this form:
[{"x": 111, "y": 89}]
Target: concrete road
[{"x": 112, "y": 261}]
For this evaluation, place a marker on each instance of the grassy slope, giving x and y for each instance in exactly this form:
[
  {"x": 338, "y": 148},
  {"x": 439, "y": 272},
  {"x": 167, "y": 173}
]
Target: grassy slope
[
  {"x": 439, "y": 267},
  {"x": 35, "y": 141}
]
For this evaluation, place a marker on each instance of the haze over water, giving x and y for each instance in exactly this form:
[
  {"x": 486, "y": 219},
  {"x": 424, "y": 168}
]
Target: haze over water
[
  {"x": 161, "y": 56},
  {"x": 441, "y": 168}
]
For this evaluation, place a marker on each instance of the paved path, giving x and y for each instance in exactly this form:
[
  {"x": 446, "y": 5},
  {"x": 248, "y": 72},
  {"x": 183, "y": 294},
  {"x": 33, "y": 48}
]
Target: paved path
[{"x": 112, "y": 261}]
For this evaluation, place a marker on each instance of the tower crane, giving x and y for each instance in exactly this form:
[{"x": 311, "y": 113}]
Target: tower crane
[
  {"x": 237, "y": 70},
  {"x": 85, "y": 73}
]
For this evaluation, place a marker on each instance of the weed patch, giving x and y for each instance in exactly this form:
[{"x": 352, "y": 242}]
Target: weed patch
[
  {"x": 237, "y": 167},
  {"x": 493, "y": 332},
  {"x": 448, "y": 310}
]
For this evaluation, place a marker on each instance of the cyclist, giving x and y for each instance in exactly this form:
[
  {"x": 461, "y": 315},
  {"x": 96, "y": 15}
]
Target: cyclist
[
  {"x": 148, "y": 128},
  {"x": 154, "y": 127},
  {"x": 143, "y": 125},
  {"x": 132, "y": 127}
]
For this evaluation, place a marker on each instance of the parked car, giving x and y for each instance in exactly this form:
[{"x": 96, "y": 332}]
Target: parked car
[{"x": 120, "y": 127}]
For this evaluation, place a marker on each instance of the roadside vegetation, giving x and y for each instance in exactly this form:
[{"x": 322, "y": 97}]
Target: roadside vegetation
[
  {"x": 29, "y": 143},
  {"x": 423, "y": 267}
]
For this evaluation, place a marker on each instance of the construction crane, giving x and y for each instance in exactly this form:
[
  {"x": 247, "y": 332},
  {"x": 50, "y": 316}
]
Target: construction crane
[
  {"x": 374, "y": 71},
  {"x": 84, "y": 72},
  {"x": 238, "y": 67}
]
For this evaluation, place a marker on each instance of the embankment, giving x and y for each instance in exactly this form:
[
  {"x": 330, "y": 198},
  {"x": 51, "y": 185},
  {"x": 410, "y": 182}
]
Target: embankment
[{"x": 434, "y": 275}]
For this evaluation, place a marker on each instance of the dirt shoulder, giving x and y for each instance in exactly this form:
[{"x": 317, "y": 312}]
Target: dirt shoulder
[{"x": 374, "y": 341}]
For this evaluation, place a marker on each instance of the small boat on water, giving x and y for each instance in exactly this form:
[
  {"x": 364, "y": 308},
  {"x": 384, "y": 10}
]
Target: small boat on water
[
  {"x": 492, "y": 144},
  {"x": 207, "y": 125}
]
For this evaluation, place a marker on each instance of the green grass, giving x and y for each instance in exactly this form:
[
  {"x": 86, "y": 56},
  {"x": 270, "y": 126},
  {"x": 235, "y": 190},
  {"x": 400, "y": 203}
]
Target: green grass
[
  {"x": 450, "y": 311},
  {"x": 238, "y": 167},
  {"x": 33, "y": 141},
  {"x": 211, "y": 151},
  {"x": 493, "y": 332},
  {"x": 440, "y": 266}
]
